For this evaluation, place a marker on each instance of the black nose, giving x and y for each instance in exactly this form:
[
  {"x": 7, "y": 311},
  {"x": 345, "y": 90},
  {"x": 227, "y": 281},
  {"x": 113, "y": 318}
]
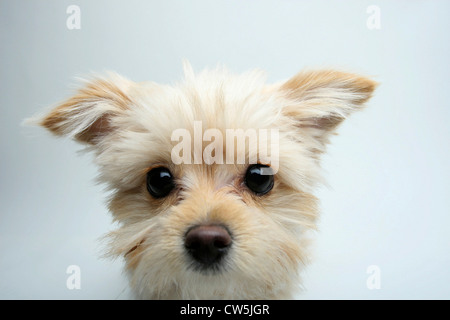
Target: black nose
[{"x": 207, "y": 244}]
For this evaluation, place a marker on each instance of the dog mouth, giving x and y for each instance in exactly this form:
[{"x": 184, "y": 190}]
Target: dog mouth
[
  {"x": 210, "y": 269},
  {"x": 207, "y": 248}
]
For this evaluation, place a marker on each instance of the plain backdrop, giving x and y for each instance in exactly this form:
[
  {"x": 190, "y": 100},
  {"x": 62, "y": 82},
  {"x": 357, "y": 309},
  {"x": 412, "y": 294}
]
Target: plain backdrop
[{"x": 387, "y": 204}]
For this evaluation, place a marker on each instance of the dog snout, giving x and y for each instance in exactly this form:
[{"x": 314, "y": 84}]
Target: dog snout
[{"x": 207, "y": 244}]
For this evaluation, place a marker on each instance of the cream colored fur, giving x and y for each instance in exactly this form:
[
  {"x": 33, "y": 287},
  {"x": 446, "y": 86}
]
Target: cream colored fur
[{"x": 128, "y": 127}]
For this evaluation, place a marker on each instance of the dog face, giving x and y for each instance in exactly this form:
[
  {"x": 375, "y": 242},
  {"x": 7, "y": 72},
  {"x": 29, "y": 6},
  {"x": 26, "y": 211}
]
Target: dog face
[{"x": 227, "y": 221}]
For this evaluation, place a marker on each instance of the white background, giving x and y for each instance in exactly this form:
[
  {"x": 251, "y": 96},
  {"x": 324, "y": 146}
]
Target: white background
[{"x": 388, "y": 170}]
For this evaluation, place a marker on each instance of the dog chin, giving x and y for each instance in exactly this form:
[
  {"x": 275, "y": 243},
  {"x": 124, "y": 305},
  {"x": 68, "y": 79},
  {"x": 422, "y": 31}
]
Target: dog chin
[{"x": 211, "y": 286}]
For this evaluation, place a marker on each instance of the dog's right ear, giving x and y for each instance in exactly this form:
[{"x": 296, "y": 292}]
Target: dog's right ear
[{"x": 87, "y": 116}]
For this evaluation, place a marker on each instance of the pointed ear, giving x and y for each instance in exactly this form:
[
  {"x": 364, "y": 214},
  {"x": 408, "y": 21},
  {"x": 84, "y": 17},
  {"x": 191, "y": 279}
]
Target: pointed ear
[
  {"x": 320, "y": 100},
  {"x": 87, "y": 116}
]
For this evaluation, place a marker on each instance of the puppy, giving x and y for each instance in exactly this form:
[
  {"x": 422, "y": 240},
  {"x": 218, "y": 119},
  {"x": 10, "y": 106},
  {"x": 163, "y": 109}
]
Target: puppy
[{"x": 212, "y": 179}]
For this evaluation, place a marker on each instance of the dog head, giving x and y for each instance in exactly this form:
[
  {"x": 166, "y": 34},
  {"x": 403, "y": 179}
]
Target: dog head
[{"x": 211, "y": 178}]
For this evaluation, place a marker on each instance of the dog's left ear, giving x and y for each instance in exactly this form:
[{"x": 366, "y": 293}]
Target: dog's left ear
[{"x": 320, "y": 100}]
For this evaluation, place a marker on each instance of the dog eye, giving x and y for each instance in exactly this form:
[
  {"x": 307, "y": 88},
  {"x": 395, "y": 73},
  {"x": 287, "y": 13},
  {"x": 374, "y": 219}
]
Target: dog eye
[
  {"x": 259, "y": 179},
  {"x": 159, "y": 182}
]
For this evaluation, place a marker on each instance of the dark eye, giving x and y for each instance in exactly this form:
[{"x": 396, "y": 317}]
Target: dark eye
[
  {"x": 159, "y": 182},
  {"x": 259, "y": 179}
]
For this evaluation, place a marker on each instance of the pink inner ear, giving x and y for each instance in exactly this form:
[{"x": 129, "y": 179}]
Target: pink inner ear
[
  {"x": 324, "y": 123},
  {"x": 100, "y": 127}
]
